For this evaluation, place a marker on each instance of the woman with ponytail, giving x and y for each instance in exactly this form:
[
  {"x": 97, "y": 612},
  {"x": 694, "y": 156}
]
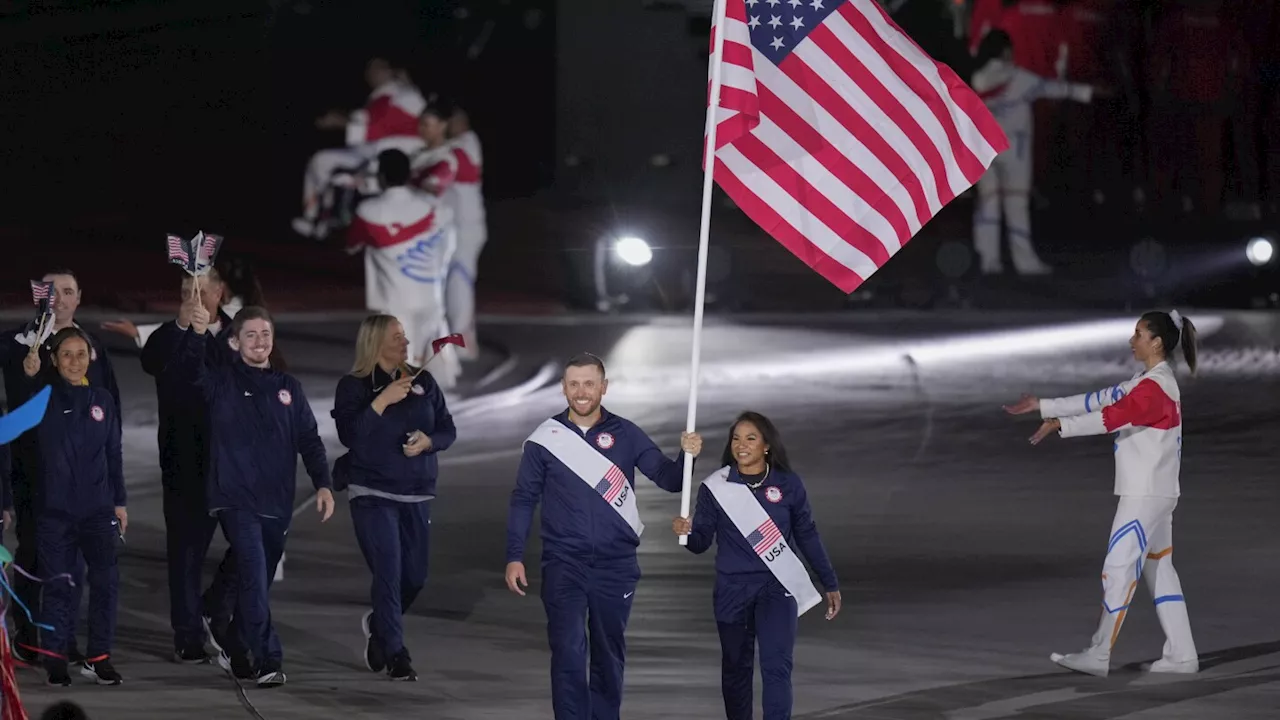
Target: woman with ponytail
[{"x": 1146, "y": 414}]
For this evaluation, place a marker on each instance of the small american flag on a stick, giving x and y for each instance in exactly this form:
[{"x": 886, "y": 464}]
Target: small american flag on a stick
[
  {"x": 763, "y": 537},
  {"x": 454, "y": 339},
  {"x": 178, "y": 254},
  {"x": 207, "y": 251},
  {"x": 41, "y": 292},
  {"x": 837, "y": 134},
  {"x": 612, "y": 483}
]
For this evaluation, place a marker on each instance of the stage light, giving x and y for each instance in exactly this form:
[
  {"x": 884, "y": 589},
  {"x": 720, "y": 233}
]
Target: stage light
[
  {"x": 1260, "y": 251},
  {"x": 633, "y": 251}
]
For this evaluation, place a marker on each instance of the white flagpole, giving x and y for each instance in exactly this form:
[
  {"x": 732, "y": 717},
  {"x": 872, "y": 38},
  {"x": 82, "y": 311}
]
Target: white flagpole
[{"x": 708, "y": 183}]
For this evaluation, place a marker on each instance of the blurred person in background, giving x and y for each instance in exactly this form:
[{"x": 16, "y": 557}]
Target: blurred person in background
[
  {"x": 434, "y": 164},
  {"x": 65, "y": 710},
  {"x": 465, "y": 194},
  {"x": 1195, "y": 70},
  {"x": 389, "y": 119},
  {"x": 1004, "y": 190},
  {"x": 408, "y": 239}
]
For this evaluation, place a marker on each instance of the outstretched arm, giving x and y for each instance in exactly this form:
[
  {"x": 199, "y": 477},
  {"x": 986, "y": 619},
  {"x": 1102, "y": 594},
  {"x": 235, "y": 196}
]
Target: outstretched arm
[
  {"x": 1146, "y": 406},
  {"x": 665, "y": 473},
  {"x": 1087, "y": 403}
]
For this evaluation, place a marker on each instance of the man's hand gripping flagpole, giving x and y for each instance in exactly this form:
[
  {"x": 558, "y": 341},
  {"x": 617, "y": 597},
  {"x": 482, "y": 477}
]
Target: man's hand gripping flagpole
[{"x": 708, "y": 184}]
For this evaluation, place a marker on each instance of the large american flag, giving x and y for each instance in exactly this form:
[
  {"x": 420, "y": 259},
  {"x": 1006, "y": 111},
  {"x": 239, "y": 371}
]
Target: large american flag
[
  {"x": 763, "y": 537},
  {"x": 611, "y": 486},
  {"x": 838, "y": 135}
]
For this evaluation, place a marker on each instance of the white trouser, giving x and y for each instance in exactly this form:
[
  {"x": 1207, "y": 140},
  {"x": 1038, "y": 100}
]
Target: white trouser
[
  {"x": 1004, "y": 193},
  {"x": 460, "y": 290},
  {"x": 321, "y": 167},
  {"x": 1142, "y": 545}
]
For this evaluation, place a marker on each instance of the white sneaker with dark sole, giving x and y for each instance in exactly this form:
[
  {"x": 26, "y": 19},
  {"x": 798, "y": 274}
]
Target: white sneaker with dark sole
[{"x": 1082, "y": 663}]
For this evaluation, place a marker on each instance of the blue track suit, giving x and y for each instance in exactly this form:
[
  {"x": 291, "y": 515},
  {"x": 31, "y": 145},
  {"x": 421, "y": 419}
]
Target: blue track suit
[
  {"x": 184, "y": 459},
  {"x": 25, "y": 471},
  {"x": 750, "y": 603},
  {"x": 81, "y": 484},
  {"x": 589, "y": 567},
  {"x": 259, "y": 422},
  {"x": 390, "y": 493}
]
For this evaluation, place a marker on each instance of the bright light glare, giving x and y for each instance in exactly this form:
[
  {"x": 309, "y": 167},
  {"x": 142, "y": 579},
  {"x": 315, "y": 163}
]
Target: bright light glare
[
  {"x": 633, "y": 251},
  {"x": 1260, "y": 251}
]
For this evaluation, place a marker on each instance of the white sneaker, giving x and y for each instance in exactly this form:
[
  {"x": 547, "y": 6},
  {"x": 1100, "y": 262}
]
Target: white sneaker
[
  {"x": 1083, "y": 663},
  {"x": 303, "y": 226},
  {"x": 1186, "y": 667}
]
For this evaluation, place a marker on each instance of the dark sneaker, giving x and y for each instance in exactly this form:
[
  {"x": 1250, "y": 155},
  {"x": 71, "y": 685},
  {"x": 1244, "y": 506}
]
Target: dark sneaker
[
  {"x": 58, "y": 675},
  {"x": 401, "y": 669},
  {"x": 101, "y": 672},
  {"x": 239, "y": 665},
  {"x": 270, "y": 677},
  {"x": 374, "y": 658},
  {"x": 193, "y": 655}
]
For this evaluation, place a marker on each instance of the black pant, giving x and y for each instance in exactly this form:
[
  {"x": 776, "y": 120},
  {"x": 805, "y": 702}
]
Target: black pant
[{"x": 188, "y": 531}]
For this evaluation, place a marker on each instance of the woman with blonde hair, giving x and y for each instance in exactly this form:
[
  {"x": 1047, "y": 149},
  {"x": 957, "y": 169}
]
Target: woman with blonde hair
[{"x": 393, "y": 419}]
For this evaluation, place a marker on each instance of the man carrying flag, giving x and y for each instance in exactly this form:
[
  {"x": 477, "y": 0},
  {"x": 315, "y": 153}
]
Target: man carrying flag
[{"x": 580, "y": 465}]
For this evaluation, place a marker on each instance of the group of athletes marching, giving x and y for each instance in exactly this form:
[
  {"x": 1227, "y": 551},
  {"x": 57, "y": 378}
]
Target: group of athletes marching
[
  {"x": 417, "y": 164},
  {"x": 233, "y": 424}
]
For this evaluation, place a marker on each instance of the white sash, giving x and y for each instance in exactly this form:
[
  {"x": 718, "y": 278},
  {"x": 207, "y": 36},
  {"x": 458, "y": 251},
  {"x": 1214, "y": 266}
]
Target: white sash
[
  {"x": 763, "y": 535},
  {"x": 596, "y": 470}
]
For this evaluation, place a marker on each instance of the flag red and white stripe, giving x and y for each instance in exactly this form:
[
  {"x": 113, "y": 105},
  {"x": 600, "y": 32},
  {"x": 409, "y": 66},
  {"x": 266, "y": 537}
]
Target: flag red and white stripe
[
  {"x": 838, "y": 135},
  {"x": 178, "y": 254},
  {"x": 41, "y": 292}
]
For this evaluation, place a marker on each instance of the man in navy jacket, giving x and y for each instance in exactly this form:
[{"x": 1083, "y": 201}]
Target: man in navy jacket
[
  {"x": 182, "y": 438},
  {"x": 25, "y": 457},
  {"x": 260, "y": 422},
  {"x": 581, "y": 466}
]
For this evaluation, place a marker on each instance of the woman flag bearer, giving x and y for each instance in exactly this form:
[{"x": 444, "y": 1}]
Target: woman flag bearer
[
  {"x": 259, "y": 423},
  {"x": 394, "y": 420},
  {"x": 756, "y": 511},
  {"x": 580, "y": 464},
  {"x": 80, "y": 505},
  {"x": 1146, "y": 414}
]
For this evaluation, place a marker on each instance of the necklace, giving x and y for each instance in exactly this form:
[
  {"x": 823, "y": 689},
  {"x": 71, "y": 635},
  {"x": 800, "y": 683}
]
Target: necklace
[{"x": 753, "y": 486}]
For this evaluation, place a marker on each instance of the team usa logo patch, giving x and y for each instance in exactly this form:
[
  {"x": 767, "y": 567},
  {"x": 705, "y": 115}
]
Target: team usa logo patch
[
  {"x": 285, "y": 397},
  {"x": 417, "y": 390},
  {"x": 604, "y": 441},
  {"x": 773, "y": 494},
  {"x": 96, "y": 413}
]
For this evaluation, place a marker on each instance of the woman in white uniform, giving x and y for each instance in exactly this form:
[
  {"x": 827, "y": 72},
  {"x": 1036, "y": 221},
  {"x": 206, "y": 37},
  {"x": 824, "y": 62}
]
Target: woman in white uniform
[
  {"x": 1146, "y": 414},
  {"x": 466, "y": 197}
]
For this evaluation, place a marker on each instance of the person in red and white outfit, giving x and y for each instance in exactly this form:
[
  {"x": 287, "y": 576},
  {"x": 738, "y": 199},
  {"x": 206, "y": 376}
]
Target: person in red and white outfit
[
  {"x": 408, "y": 238},
  {"x": 1146, "y": 415},
  {"x": 465, "y": 195},
  {"x": 433, "y": 162},
  {"x": 388, "y": 120}
]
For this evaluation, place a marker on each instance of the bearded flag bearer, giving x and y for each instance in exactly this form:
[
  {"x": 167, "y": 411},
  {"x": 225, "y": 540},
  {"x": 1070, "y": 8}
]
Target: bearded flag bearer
[{"x": 580, "y": 465}]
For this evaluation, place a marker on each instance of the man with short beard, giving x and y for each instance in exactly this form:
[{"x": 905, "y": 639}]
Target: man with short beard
[{"x": 581, "y": 465}]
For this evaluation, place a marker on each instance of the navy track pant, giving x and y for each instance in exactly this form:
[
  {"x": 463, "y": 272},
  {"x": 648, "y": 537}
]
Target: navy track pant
[
  {"x": 60, "y": 543},
  {"x": 588, "y": 607},
  {"x": 770, "y": 618},
  {"x": 395, "y": 538},
  {"x": 188, "y": 531},
  {"x": 257, "y": 542}
]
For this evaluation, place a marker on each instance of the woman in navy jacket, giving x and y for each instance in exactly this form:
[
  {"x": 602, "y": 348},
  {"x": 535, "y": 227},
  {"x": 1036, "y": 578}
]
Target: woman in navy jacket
[
  {"x": 394, "y": 424},
  {"x": 259, "y": 423},
  {"x": 750, "y": 602},
  {"x": 79, "y": 504}
]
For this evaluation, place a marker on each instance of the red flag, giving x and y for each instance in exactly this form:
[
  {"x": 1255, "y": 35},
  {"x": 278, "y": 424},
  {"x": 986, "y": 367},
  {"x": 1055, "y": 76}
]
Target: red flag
[
  {"x": 838, "y": 135},
  {"x": 454, "y": 339}
]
